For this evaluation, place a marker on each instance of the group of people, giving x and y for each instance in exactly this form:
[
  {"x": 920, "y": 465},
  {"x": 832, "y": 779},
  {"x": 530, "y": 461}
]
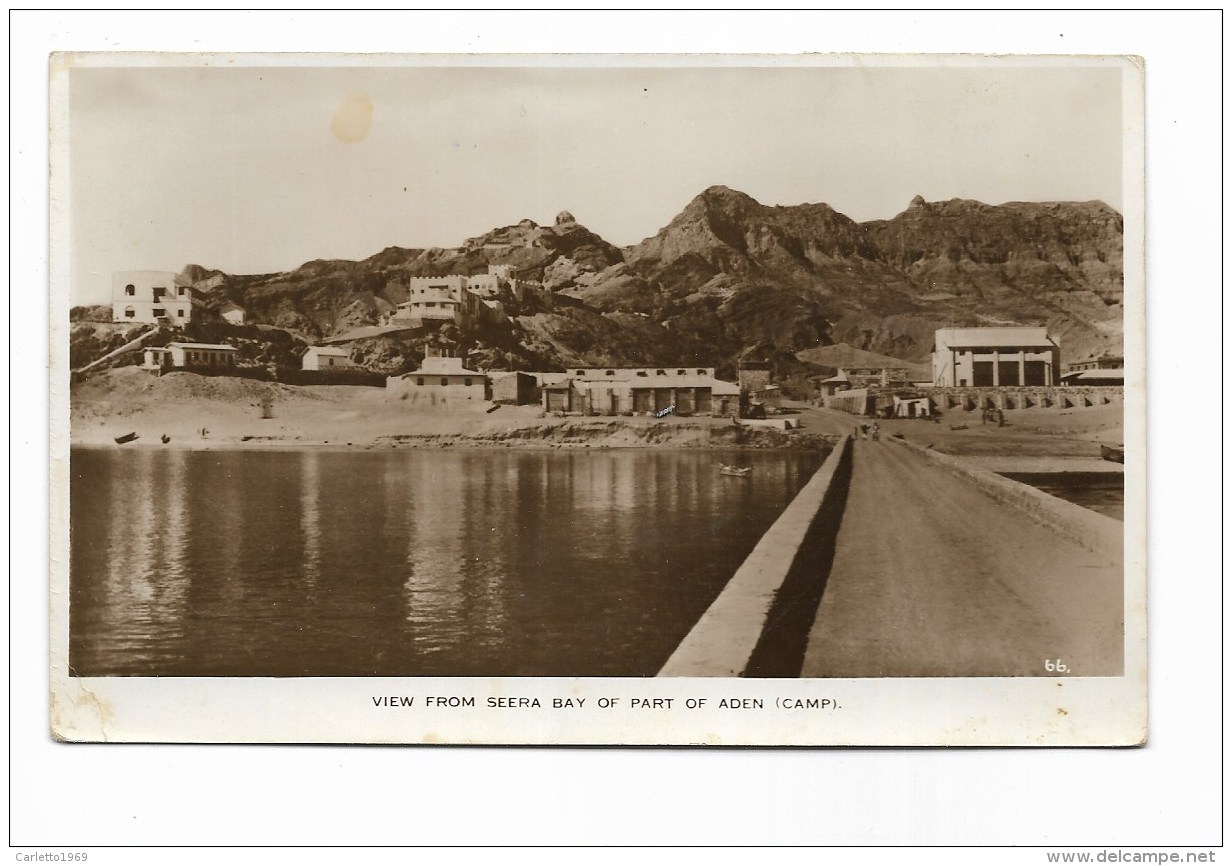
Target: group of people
[
  {"x": 993, "y": 414},
  {"x": 867, "y": 431}
]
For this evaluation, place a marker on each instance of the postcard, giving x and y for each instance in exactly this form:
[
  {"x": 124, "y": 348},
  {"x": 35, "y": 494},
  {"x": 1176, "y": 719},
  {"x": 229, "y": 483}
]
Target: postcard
[{"x": 791, "y": 400}]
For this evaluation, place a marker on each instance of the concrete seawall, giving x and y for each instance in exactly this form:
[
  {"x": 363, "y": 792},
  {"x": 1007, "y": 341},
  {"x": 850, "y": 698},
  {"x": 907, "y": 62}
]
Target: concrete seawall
[
  {"x": 1096, "y": 532},
  {"x": 759, "y": 624}
]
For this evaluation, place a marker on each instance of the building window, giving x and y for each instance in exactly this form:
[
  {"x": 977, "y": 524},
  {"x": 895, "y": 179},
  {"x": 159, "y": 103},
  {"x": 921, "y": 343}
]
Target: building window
[
  {"x": 466, "y": 382},
  {"x": 419, "y": 381},
  {"x": 581, "y": 372},
  {"x": 680, "y": 372},
  {"x": 179, "y": 313},
  {"x": 159, "y": 312},
  {"x": 660, "y": 372},
  {"x": 444, "y": 381},
  {"x": 611, "y": 373},
  {"x": 180, "y": 291},
  {"x": 159, "y": 292},
  {"x": 130, "y": 290},
  {"x": 129, "y": 313},
  {"x": 641, "y": 373}
]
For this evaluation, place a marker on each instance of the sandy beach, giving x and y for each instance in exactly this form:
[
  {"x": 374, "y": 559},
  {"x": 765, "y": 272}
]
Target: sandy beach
[{"x": 203, "y": 413}]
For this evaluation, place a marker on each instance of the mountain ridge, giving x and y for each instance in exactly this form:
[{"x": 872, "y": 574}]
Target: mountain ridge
[{"x": 728, "y": 273}]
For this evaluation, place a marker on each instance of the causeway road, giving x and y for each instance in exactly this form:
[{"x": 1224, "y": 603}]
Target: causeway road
[{"x": 934, "y": 577}]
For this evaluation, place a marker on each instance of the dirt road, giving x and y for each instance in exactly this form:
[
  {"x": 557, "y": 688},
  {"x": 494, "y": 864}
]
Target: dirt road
[{"x": 932, "y": 577}]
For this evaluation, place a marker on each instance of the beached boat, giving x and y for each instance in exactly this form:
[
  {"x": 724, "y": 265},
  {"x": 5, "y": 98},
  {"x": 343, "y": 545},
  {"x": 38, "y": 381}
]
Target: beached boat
[
  {"x": 127, "y": 437},
  {"x": 1115, "y": 453},
  {"x": 737, "y": 471}
]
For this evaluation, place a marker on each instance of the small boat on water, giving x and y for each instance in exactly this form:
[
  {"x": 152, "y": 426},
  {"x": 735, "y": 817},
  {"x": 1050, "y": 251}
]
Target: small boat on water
[
  {"x": 127, "y": 437},
  {"x": 1115, "y": 453},
  {"x": 736, "y": 471}
]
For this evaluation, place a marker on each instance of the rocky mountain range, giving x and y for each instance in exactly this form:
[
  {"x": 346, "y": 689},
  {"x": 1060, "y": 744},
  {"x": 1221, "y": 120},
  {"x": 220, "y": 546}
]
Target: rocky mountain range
[{"x": 729, "y": 277}]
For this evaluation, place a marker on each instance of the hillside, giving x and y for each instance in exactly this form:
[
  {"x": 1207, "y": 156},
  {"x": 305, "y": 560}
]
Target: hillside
[
  {"x": 728, "y": 274},
  {"x": 842, "y": 356},
  {"x": 802, "y": 275}
]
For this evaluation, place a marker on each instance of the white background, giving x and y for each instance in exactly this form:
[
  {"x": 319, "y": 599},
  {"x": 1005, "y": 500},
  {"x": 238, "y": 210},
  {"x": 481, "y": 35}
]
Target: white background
[{"x": 1168, "y": 794}]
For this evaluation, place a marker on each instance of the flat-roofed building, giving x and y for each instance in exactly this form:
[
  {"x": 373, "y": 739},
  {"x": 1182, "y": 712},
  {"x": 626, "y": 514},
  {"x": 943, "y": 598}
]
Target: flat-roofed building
[
  {"x": 995, "y": 357},
  {"x": 190, "y": 356},
  {"x": 440, "y": 381},
  {"x": 1107, "y": 361},
  {"x": 1098, "y": 377},
  {"x": 514, "y": 388},
  {"x": 641, "y": 391}
]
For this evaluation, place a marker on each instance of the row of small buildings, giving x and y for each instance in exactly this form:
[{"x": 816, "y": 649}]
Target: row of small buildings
[
  {"x": 221, "y": 357},
  {"x": 445, "y": 380},
  {"x": 996, "y": 357}
]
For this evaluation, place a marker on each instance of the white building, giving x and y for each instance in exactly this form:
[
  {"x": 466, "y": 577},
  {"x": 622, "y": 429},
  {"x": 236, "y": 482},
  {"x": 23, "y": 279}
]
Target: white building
[
  {"x": 485, "y": 285},
  {"x": 995, "y": 357},
  {"x": 433, "y": 299},
  {"x": 326, "y": 358},
  {"x": 456, "y": 298},
  {"x": 206, "y": 356},
  {"x": 150, "y": 296},
  {"x": 439, "y": 382},
  {"x": 233, "y": 313}
]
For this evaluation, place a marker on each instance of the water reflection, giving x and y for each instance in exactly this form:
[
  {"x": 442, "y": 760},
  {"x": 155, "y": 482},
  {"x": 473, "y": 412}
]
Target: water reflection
[
  {"x": 411, "y": 563},
  {"x": 139, "y": 588},
  {"x": 310, "y": 516}
]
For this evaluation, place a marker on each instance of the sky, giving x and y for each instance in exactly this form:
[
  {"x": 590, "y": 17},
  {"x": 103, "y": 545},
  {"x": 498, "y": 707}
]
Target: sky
[{"x": 257, "y": 169}]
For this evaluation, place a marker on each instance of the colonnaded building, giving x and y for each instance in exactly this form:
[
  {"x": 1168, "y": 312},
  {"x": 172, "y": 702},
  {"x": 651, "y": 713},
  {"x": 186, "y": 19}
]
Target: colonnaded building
[{"x": 995, "y": 358}]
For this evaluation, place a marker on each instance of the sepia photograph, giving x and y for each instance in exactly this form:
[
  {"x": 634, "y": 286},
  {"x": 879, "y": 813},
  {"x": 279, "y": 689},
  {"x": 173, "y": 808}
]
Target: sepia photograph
[{"x": 485, "y": 389}]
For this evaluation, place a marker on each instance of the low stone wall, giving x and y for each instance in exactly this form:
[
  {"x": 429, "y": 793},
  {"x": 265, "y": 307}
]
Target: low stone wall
[
  {"x": 403, "y": 388},
  {"x": 1064, "y": 397},
  {"x": 334, "y": 376},
  {"x": 772, "y": 423},
  {"x": 854, "y": 402},
  {"x": 732, "y": 637},
  {"x": 1096, "y": 532}
]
